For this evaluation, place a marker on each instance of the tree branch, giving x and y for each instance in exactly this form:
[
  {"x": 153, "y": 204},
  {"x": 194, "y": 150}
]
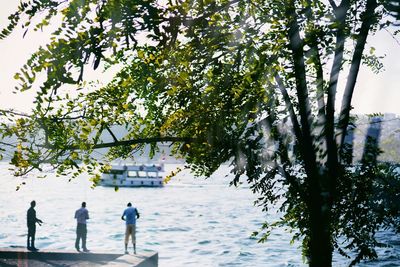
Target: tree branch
[
  {"x": 368, "y": 19},
  {"x": 98, "y": 134},
  {"x": 12, "y": 112},
  {"x": 289, "y": 106},
  {"x": 282, "y": 153},
  {"x": 331, "y": 144},
  {"x": 296, "y": 46},
  {"x": 317, "y": 64},
  {"x": 333, "y": 4},
  {"x": 130, "y": 142},
  {"x": 111, "y": 133},
  {"x": 7, "y": 144}
]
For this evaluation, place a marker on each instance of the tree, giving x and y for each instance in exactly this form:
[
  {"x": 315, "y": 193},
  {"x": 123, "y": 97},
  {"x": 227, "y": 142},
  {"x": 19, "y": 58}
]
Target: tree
[{"x": 250, "y": 82}]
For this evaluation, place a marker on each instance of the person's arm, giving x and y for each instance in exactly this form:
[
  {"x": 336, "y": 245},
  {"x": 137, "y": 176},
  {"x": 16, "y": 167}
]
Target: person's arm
[
  {"x": 137, "y": 214},
  {"x": 39, "y": 221},
  {"x": 87, "y": 215},
  {"x": 122, "y": 217},
  {"x": 35, "y": 219}
]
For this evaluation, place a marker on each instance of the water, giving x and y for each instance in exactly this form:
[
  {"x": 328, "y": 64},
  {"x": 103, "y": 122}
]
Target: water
[{"x": 189, "y": 222}]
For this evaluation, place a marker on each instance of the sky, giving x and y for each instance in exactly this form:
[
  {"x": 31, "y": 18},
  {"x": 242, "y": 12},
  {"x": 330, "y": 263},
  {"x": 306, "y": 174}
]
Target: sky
[{"x": 374, "y": 93}]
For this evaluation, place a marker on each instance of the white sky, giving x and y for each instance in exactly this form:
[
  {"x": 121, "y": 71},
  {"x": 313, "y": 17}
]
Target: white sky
[{"x": 373, "y": 93}]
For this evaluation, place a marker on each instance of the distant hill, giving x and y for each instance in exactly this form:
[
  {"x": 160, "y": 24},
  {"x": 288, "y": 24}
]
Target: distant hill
[{"x": 389, "y": 136}]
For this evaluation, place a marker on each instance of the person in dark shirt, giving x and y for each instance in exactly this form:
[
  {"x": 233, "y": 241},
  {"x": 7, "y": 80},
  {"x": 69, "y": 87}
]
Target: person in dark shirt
[{"x": 31, "y": 223}]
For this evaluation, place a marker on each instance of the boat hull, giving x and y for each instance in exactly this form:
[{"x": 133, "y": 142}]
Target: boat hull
[
  {"x": 133, "y": 176},
  {"x": 132, "y": 183}
]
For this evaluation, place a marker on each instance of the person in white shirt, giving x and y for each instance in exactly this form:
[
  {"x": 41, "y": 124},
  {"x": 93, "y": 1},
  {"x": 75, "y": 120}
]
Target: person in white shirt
[{"x": 81, "y": 215}]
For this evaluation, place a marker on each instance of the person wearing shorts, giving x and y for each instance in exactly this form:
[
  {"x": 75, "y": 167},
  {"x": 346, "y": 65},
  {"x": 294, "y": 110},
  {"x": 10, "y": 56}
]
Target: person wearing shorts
[{"x": 129, "y": 216}]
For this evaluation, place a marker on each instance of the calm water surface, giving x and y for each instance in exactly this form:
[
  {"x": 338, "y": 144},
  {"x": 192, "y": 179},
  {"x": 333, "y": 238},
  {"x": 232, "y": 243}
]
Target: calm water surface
[{"x": 189, "y": 222}]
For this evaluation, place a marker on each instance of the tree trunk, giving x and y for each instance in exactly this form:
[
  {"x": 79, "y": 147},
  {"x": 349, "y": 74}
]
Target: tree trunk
[{"x": 320, "y": 246}]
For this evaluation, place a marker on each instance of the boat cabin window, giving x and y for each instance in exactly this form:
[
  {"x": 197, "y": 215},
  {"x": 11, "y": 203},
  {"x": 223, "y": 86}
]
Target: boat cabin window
[
  {"x": 152, "y": 174},
  {"x": 142, "y": 174},
  {"x": 132, "y": 174}
]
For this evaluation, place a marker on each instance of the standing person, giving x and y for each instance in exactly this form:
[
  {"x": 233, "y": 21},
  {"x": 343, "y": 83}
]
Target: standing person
[
  {"x": 31, "y": 223},
  {"x": 81, "y": 215},
  {"x": 129, "y": 216}
]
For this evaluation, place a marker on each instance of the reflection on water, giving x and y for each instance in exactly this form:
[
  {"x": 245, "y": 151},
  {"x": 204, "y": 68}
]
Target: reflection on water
[{"x": 190, "y": 222}]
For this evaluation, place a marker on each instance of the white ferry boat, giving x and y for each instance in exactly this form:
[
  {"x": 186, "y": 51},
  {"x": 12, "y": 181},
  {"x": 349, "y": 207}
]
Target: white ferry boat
[{"x": 133, "y": 176}]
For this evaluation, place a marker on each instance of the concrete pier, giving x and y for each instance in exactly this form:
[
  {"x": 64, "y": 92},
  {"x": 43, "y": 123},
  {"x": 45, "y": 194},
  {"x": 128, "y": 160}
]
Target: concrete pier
[{"x": 21, "y": 257}]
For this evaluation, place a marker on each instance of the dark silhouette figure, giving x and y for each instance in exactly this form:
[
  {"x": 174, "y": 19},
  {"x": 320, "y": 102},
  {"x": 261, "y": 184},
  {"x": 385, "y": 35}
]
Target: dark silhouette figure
[
  {"x": 81, "y": 215},
  {"x": 31, "y": 223}
]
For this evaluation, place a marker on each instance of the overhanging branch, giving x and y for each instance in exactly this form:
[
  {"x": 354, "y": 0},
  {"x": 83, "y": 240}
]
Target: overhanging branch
[
  {"x": 130, "y": 142},
  {"x": 5, "y": 112}
]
